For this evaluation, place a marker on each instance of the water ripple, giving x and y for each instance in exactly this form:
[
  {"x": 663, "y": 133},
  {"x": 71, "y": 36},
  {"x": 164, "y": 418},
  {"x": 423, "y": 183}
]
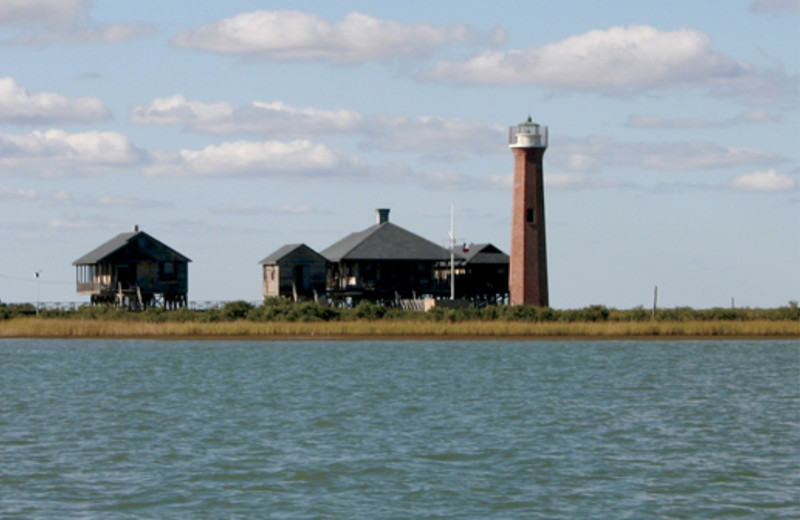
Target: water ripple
[{"x": 390, "y": 430}]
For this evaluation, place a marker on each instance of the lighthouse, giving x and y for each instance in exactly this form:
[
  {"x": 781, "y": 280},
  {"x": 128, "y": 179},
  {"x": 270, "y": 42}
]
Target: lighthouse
[{"x": 527, "y": 281}]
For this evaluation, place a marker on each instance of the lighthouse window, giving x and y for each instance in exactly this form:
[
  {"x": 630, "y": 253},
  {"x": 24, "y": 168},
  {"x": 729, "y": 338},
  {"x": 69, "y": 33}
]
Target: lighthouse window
[{"x": 529, "y": 216}]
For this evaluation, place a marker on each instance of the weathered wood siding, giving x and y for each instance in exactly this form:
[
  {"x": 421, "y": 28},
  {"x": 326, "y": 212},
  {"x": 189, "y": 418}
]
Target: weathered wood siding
[
  {"x": 300, "y": 273},
  {"x": 134, "y": 266},
  {"x": 271, "y": 288}
]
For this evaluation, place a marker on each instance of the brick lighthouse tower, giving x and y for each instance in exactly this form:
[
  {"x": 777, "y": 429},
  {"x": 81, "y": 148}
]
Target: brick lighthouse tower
[{"x": 528, "y": 268}]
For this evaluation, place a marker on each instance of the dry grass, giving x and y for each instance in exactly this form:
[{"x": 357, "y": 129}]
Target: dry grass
[{"x": 71, "y": 328}]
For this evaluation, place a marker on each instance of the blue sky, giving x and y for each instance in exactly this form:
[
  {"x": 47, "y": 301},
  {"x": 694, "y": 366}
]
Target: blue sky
[{"x": 228, "y": 129}]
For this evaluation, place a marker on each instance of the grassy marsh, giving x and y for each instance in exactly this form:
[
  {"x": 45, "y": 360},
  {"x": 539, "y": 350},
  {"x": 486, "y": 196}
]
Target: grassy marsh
[
  {"x": 243, "y": 329},
  {"x": 284, "y": 319}
]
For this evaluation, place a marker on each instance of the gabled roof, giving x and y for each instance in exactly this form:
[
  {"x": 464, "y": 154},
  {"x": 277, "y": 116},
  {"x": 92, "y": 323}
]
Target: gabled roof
[
  {"x": 284, "y": 251},
  {"x": 483, "y": 254},
  {"x": 384, "y": 241},
  {"x": 130, "y": 239}
]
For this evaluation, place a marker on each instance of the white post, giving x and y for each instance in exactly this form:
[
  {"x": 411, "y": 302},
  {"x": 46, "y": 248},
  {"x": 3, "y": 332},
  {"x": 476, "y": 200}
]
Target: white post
[{"x": 452, "y": 253}]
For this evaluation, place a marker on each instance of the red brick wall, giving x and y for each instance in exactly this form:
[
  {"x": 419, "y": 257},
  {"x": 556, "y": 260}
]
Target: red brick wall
[{"x": 528, "y": 267}]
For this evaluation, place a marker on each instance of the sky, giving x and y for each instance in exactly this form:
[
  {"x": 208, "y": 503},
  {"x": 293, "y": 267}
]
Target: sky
[{"x": 228, "y": 129}]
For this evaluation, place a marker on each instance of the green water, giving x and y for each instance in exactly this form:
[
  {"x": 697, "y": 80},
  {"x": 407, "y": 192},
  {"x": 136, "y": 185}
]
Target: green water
[{"x": 395, "y": 430}]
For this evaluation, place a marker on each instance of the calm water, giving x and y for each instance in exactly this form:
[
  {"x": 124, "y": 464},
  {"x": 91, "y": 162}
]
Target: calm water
[{"x": 380, "y": 430}]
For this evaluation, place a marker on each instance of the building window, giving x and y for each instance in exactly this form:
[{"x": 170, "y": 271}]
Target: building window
[
  {"x": 529, "y": 216},
  {"x": 168, "y": 271}
]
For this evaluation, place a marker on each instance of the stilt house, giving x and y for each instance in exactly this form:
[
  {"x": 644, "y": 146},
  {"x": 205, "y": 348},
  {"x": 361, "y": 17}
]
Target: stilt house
[
  {"x": 382, "y": 263},
  {"x": 481, "y": 273},
  {"x": 294, "y": 271},
  {"x": 134, "y": 270}
]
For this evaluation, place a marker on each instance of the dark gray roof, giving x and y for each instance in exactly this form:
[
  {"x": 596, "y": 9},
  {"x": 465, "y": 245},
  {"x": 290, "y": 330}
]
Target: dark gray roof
[
  {"x": 483, "y": 254},
  {"x": 385, "y": 241},
  {"x": 283, "y": 251},
  {"x": 122, "y": 240}
]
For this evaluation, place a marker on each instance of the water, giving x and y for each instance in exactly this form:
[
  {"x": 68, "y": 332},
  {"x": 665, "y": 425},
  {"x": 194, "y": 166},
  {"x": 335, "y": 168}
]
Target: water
[{"x": 395, "y": 430}]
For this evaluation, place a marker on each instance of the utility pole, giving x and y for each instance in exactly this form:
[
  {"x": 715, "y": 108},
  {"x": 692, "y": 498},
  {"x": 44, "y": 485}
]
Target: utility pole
[
  {"x": 37, "y": 274},
  {"x": 655, "y": 301}
]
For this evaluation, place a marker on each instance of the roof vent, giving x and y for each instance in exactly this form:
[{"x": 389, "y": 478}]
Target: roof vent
[
  {"x": 136, "y": 228},
  {"x": 383, "y": 215}
]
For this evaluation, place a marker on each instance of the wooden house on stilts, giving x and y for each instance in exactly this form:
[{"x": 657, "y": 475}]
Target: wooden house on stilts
[
  {"x": 383, "y": 263},
  {"x": 135, "y": 271}
]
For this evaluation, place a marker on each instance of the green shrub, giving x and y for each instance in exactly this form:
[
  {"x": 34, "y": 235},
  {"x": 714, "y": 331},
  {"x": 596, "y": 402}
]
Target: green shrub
[
  {"x": 278, "y": 309},
  {"x": 154, "y": 314},
  {"x": 101, "y": 312},
  {"x": 442, "y": 314},
  {"x": 236, "y": 310},
  {"x": 366, "y": 311},
  {"x": 593, "y": 313},
  {"x": 16, "y": 310},
  {"x": 788, "y": 312},
  {"x": 522, "y": 313},
  {"x": 282, "y": 309}
]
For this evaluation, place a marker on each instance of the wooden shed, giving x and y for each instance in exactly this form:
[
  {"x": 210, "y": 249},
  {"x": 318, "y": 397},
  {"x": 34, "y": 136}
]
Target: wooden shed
[
  {"x": 382, "y": 263},
  {"x": 134, "y": 270},
  {"x": 294, "y": 271}
]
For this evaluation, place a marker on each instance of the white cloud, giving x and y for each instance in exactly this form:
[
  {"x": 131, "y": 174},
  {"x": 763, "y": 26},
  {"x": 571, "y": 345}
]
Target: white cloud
[
  {"x": 297, "y": 159},
  {"x": 295, "y": 210},
  {"x": 279, "y": 120},
  {"x": 775, "y": 7},
  {"x": 65, "y": 198},
  {"x": 449, "y": 180},
  {"x": 597, "y": 153},
  {"x": 237, "y": 209},
  {"x": 618, "y": 60},
  {"x": 561, "y": 181},
  {"x": 58, "y": 153},
  {"x": 687, "y": 123},
  {"x": 296, "y": 35},
  {"x": 77, "y": 223},
  {"x": 273, "y": 119},
  {"x": 62, "y": 21},
  {"x": 117, "y": 201},
  {"x": 35, "y": 12},
  {"x": 500, "y": 180},
  {"x": 17, "y": 105},
  {"x": 756, "y": 116},
  {"x": 764, "y": 181},
  {"x": 571, "y": 181},
  {"x": 250, "y": 209},
  {"x": 759, "y": 181},
  {"x": 61, "y": 196},
  {"x": 434, "y": 134},
  {"x": 113, "y": 33},
  {"x": 669, "y": 123},
  {"x": 17, "y": 195}
]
